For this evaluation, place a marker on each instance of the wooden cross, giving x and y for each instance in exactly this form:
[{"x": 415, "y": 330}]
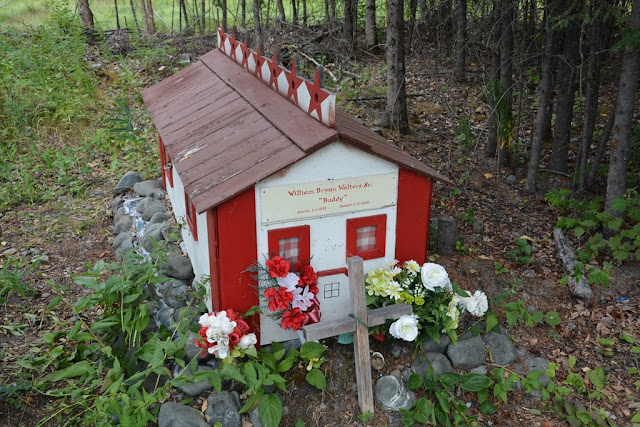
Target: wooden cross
[{"x": 365, "y": 320}]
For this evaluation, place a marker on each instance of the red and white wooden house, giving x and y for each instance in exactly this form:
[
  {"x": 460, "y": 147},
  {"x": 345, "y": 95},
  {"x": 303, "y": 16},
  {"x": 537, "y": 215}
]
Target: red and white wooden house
[{"x": 253, "y": 174}]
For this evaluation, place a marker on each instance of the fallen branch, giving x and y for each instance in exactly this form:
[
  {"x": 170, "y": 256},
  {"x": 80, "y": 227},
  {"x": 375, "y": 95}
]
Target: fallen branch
[
  {"x": 579, "y": 289},
  {"x": 378, "y": 97},
  {"x": 555, "y": 172}
]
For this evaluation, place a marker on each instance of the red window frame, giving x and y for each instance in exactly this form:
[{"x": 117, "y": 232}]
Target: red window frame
[
  {"x": 380, "y": 221},
  {"x": 165, "y": 161},
  {"x": 191, "y": 215},
  {"x": 301, "y": 232}
]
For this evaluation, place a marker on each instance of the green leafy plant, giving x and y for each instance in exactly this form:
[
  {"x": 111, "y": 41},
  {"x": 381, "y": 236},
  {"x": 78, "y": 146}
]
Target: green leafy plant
[
  {"x": 516, "y": 312},
  {"x": 522, "y": 254},
  {"x": 498, "y": 268}
]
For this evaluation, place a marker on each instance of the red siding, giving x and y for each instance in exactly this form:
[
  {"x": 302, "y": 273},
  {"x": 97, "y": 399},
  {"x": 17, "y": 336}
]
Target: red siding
[
  {"x": 414, "y": 213},
  {"x": 214, "y": 275},
  {"x": 237, "y": 250}
]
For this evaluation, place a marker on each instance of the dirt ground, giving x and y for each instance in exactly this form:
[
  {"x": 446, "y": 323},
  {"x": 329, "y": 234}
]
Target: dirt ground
[{"x": 506, "y": 214}]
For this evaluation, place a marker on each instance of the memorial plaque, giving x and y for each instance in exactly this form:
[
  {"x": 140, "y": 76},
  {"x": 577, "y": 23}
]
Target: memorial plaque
[{"x": 331, "y": 197}]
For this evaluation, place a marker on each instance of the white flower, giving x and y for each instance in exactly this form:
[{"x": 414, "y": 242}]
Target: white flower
[
  {"x": 434, "y": 276},
  {"x": 391, "y": 263},
  {"x": 476, "y": 304},
  {"x": 221, "y": 349},
  {"x": 302, "y": 298},
  {"x": 290, "y": 281},
  {"x": 412, "y": 266},
  {"x": 405, "y": 328},
  {"x": 247, "y": 341},
  {"x": 395, "y": 271}
]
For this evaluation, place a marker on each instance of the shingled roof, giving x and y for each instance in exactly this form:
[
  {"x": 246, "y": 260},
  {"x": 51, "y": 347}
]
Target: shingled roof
[{"x": 225, "y": 130}]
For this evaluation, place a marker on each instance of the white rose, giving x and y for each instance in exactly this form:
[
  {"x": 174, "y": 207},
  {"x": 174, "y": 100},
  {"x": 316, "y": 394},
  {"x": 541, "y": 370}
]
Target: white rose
[
  {"x": 476, "y": 304},
  {"x": 405, "y": 328},
  {"x": 247, "y": 341},
  {"x": 290, "y": 281},
  {"x": 434, "y": 276}
]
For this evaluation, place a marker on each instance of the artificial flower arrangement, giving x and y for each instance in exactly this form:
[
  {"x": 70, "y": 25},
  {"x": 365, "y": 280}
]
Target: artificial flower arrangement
[
  {"x": 225, "y": 335},
  {"x": 288, "y": 297},
  {"x": 437, "y": 303}
]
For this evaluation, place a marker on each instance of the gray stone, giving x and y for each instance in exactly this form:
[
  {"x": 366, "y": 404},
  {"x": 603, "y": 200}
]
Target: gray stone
[
  {"x": 512, "y": 180},
  {"x": 152, "y": 233},
  {"x": 149, "y": 206},
  {"x": 119, "y": 214},
  {"x": 10, "y": 251},
  {"x": 191, "y": 350},
  {"x": 254, "y": 418},
  {"x": 116, "y": 204},
  {"x": 447, "y": 236},
  {"x": 121, "y": 238},
  {"x": 406, "y": 374},
  {"x": 176, "y": 415},
  {"x": 467, "y": 353},
  {"x": 478, "y": 226},
  {"x": 124, "y": 247},
  {"x": 178, "y": 267},
  {"x": 96, "y": 66},
  {"x": 393, "y": 395},
  {"x": 430, "y": 345},
  {"x": 538, "y": 364},
  {"x": 150, "y": 188},
  {"x": 165, "y": 317},
  {"x": 166, "y": 287},
  {"x": 127, "y": 182},
  {"x": 501, "y": 350},
  {"x": 196, "y": 389},
  {"x": 123, "y": 224},
  {"x": 439, "y": 362},
  {"x": 35, "y": 251},
  {"x": 185, "y": 59},
  {"x": 158, "y": 217},
  {"x": 223, "y": 408},
  {"x": 482, "y": 370}
]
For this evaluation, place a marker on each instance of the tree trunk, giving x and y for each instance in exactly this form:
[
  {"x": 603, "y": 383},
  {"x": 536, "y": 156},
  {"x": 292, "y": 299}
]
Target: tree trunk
[
  {"x": 602, "y": 145},
  {"x": 184, "y": 11},
  {"x": 545, "y": 96},
  {"x": 152, "y": 20},
  {"x": 145, "y": 20},
  {"x": 243, "y": 13},
  {"x": 422, "y": 6},
  {"x": 461, "y": 26},
  {"x": 304, "y": 12},
  {"x": 413, "y": 9},
  {"x": 591, "y": 102},
  {"x": 224, "y": 8},
  {"x": 350, "y": 11},
  {"x": 396, "y": 92},
  {"x": 494, "y": 87},
  {"x": 85, "y": 13},
  {"x": 625, "y": 106},
  {"x": 332, "y": 4},
  {"x": 256, "y": 21},
  {"x": 294, "y": 11},
  {"x": 281, "y": 17},
  {"x": 115, "y": 3},
  {"x": 567, "y": 81},
  {"x": 370, "y": 39},
  {"x": 506, "y": 82}
]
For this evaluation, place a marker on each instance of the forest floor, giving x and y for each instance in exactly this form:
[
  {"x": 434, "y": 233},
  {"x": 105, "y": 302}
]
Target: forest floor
[{"x": 74, "y": 232}]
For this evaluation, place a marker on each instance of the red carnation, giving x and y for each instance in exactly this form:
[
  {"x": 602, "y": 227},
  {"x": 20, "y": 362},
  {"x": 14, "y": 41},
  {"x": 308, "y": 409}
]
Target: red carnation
[
  {"x": 308, "y": 276},
  {"x": 293, "y": 319},
  {"x": 202, "y": 342},
  {"x": 278, "y": 266},
  {"x": 241, "y": 327},
  {"x": 279, "y": 299},
  {"x": 234, "y": 339}
]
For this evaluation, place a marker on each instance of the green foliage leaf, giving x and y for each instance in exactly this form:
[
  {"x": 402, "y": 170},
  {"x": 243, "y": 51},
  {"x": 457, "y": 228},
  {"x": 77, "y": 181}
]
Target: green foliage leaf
[
  {"x": 553, "y": 318},
  {"x": 316, "y": 378},
  {"x": 310, "y": 349},
  {"x": 487, "y": 408},
  {"x": 233, "y": 373},
  {"x": 491, "y": 322},
  {"x": 270, "y": 410},
  {"x": 474, "y": 382},
  {"x": 449, "y": 379},
  {"x": 572, "y": 362},
  {"x": 628, "y": 338},
  {"x": 78, "y": 369},
  {"x": 415, "y": 381},
  {"x": 607, "y": 342}
]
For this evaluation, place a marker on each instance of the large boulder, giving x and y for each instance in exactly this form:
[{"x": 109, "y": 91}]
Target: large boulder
[
  {"x": 149, "y": 207},
  {"x": 438, "y": 361},
  {"x": 176, "y": 415},
  {"x": 467, "y": 353},
  {"x": 501, "y": 349},
  {"x": 223, "y": 408},
  {"x": 150, "y": 188},
  {"x": 196, "y": 389},
  {"x": 177, "y": 267},
  {"x": 127, "y": 182}
]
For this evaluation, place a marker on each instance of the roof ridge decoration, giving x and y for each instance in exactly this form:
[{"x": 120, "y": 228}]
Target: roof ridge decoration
[{"x": 310, "y": 97}]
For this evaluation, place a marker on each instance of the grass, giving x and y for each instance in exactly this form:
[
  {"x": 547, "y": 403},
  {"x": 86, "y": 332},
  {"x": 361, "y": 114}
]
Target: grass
[{"x": 22, "y": 13}]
